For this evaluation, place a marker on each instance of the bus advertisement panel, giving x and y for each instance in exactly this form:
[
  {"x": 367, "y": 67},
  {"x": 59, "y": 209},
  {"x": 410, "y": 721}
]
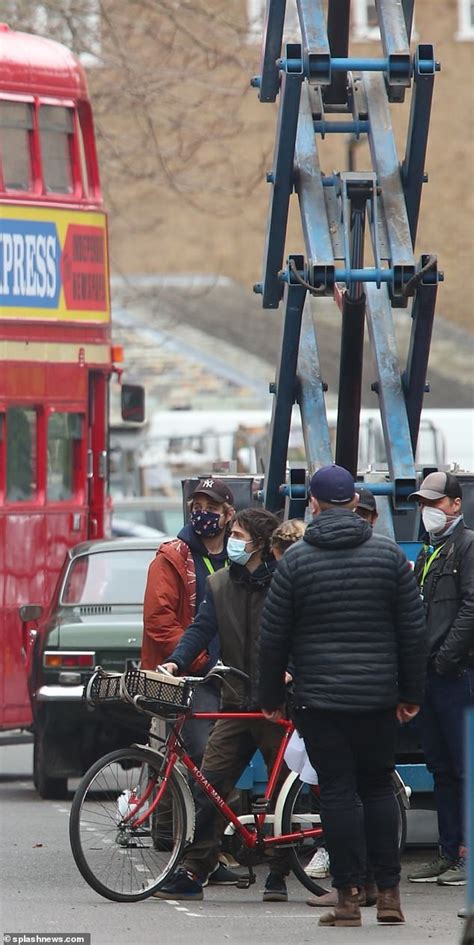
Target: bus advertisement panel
[{"x": 53, "y": 264}]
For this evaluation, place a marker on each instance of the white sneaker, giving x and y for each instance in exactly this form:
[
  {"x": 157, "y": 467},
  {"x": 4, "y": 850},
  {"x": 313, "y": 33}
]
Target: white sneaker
[{"x": 319, "y": 864}]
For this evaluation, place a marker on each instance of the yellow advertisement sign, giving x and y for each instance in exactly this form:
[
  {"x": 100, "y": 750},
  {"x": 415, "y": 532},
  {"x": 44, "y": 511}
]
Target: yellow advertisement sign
[{"x": 53, "y": 265}]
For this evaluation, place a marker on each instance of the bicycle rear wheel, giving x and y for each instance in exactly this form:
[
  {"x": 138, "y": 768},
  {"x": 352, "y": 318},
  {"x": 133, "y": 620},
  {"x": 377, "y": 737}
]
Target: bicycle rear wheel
[
  {"x": 302, "y": 810},
  {"x": 117, "y": 860}
]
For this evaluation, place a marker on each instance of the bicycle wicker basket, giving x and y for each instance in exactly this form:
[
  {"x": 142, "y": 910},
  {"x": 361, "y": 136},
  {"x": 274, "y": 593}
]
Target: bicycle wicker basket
[
  {"x": 163, "y": 695},
  {"x": 103, "y": 688}
]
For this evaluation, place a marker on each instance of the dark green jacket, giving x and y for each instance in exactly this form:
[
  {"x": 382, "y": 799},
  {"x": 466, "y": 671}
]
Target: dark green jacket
[{"x": 232, "y": 608}]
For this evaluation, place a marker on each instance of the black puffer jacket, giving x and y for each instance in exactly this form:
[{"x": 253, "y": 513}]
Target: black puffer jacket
[
  {"x": 344, "y": 605},
  {"x": 449, "y": 601}
]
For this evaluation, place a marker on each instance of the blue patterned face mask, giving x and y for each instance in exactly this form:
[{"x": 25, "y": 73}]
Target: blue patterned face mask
[
  {"x": 236, "y": 551},
  {"x": 206, "y": 523}
]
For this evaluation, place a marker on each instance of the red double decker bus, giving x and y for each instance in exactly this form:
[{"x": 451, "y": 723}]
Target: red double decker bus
[{"x": 56, "y": 357}]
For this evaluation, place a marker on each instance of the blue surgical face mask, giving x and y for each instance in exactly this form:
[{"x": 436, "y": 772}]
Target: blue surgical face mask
[
  {"x": 206, "y": 523},
  {"x": 236, "y": 552}
]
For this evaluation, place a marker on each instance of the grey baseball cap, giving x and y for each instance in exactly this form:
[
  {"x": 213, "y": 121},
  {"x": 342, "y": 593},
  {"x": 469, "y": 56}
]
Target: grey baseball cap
[
  {"x": 437, "y": 485},
  {"x": 366, "y": 500}
]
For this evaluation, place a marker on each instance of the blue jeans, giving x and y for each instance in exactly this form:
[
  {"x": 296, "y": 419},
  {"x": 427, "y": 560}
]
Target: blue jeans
[{"x": 441, "y": 726}]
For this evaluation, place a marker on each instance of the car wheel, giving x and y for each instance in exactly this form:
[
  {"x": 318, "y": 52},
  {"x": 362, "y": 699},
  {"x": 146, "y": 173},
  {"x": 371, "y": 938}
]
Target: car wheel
[{"x": 48, "y": 787}]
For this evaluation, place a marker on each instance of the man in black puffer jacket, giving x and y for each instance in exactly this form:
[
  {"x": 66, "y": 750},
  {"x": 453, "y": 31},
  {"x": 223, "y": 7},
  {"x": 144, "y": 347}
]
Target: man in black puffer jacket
[{"x": 344, "y": 603}]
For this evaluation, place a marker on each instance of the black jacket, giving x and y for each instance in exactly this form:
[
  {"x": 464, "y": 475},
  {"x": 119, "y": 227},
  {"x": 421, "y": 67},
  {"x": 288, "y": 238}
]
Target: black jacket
[
  {"x": 344, "y": 603},
  {"x": 448, "y": 593},
  {"x": 232, "y": 609}
]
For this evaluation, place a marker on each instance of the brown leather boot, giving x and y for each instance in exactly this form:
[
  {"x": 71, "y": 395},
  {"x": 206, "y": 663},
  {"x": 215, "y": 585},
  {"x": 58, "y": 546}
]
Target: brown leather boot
[
  {"x": 369, "y": 891},
  {"x": 367, "y": 897},
  {"x": 347, "y": 911},
  {"x": 389, "y": 909}
]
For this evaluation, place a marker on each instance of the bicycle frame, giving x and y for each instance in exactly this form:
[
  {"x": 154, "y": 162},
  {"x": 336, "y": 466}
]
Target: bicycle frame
[{"x": 175, "y": 751}]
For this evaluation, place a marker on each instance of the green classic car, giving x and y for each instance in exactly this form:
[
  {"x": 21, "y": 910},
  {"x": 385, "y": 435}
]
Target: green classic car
[{"x": 95, "y": 620}]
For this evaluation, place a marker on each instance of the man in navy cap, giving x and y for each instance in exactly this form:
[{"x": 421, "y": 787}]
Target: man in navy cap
[
  {"x": 445, "y": 573},
  {"x": 344, "y": 603}
]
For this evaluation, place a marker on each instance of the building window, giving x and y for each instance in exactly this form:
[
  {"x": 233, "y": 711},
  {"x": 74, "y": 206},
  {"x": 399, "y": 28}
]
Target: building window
[
  {"x": 56, "y": 128},
  {"x": 365, "y": 24},
  {"x": 256, "y": 18},
  {"x": 21, "y": 454},
  {"x": 16, "y": 126},
  {"x": 64, "y": 444},
  {"x": 465, "y": 20}
]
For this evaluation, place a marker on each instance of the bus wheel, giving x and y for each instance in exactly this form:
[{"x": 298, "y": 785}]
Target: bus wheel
[{"x": 48, "y": 787}]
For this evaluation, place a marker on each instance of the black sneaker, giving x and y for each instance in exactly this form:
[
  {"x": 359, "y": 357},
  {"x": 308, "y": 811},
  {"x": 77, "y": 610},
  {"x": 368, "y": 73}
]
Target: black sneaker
[
  {"x": 275, "y": 889},
  {"x": 184, "y": 885},
  {"x": 222, "y": 876}
]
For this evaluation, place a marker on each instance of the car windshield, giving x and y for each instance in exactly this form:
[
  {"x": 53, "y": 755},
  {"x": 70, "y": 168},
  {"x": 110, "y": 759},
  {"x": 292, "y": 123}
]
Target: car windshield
[{"x": 108, "y": 577}]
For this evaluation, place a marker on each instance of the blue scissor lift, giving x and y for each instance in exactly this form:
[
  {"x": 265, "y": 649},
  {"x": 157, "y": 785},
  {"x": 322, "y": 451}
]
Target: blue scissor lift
[{"x": 322, "y": 90}]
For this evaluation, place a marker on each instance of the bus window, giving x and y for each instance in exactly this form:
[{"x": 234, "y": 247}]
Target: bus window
[
  {"x": 56, "y": 130},
  {"x": 64, "y": 440},
  {"x": 16, "y": 125},
  {"x": 21, "y": 454},
  {"x": 83, "y": 162}
]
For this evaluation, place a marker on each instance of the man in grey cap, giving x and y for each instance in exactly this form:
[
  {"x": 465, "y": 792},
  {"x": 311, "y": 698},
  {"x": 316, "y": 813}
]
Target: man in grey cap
[
  {"x": 445, "y": 573},
  {"x": 367, "y": 506}
]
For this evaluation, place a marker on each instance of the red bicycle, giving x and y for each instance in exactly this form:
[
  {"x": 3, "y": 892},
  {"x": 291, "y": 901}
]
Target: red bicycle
[{"x": 133, "y": 813}]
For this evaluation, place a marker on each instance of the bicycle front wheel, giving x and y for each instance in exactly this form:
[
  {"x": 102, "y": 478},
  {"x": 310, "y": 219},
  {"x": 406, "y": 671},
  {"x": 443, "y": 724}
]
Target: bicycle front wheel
[{"x": 118, "y": 860}]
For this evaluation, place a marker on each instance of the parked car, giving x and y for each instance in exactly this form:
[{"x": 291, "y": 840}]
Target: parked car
[
  {"x": 95, "y": 619},
  {"x": 126, "y": 528},
  {"x": 163, "y": 514}
]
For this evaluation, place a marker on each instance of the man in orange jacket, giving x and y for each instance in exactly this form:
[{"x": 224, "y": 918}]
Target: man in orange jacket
[
  {"x": 174, "y": 590},
  {"x": 177, "y": 576}
]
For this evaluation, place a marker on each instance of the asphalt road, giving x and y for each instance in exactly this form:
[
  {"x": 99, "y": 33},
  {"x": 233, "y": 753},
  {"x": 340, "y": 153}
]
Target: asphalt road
[{"x": 41, "y": 891}]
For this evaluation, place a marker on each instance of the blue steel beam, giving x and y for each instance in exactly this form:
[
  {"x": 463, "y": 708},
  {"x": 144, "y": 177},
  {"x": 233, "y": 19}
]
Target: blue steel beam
[
  {"x": 339, "y": 19},
  {"x": 413, "y": 167},
  {"x": 414, "y": 378},
  {"x": 310, "y": 396},
  {"x": 314, "y": 39},
  {"x": 408, "y": 7},
  {"x": 309, "y": 187},
  {"x": 282, "y": 185},
  {"x": 269, "y": 79},
  {"x": 386, "y": 165},
  {"x": 378, "y": 489},
  {"x": 399, "y": 69},
  {"x": 395, "y": 46},
  {"x": 285, "y": 394},
  {"x": 393, "y": 411}
]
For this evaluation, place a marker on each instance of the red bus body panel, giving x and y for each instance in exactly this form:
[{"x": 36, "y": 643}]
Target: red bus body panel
[{"x": 55, "y": 350}]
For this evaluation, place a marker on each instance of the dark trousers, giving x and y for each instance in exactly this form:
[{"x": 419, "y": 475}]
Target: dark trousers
[
  {"x": 354, "y": 756},
  {"x": 196, "y": 732},
  {"x": 441, "y": 727},
  {"x": 231, "y": 746}
]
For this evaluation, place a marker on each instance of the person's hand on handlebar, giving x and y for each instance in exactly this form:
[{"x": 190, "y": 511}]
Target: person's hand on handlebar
[
  {"x": 275, "y": 715},
  {"x": 171, "y": 668}
]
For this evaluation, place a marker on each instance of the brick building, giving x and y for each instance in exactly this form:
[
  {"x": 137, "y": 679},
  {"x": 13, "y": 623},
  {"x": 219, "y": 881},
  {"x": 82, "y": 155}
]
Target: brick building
[{"x": 184, "y": 142}]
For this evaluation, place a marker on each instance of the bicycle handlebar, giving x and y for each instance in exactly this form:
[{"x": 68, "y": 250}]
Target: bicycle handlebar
[{"x": 219, "y": 669}]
